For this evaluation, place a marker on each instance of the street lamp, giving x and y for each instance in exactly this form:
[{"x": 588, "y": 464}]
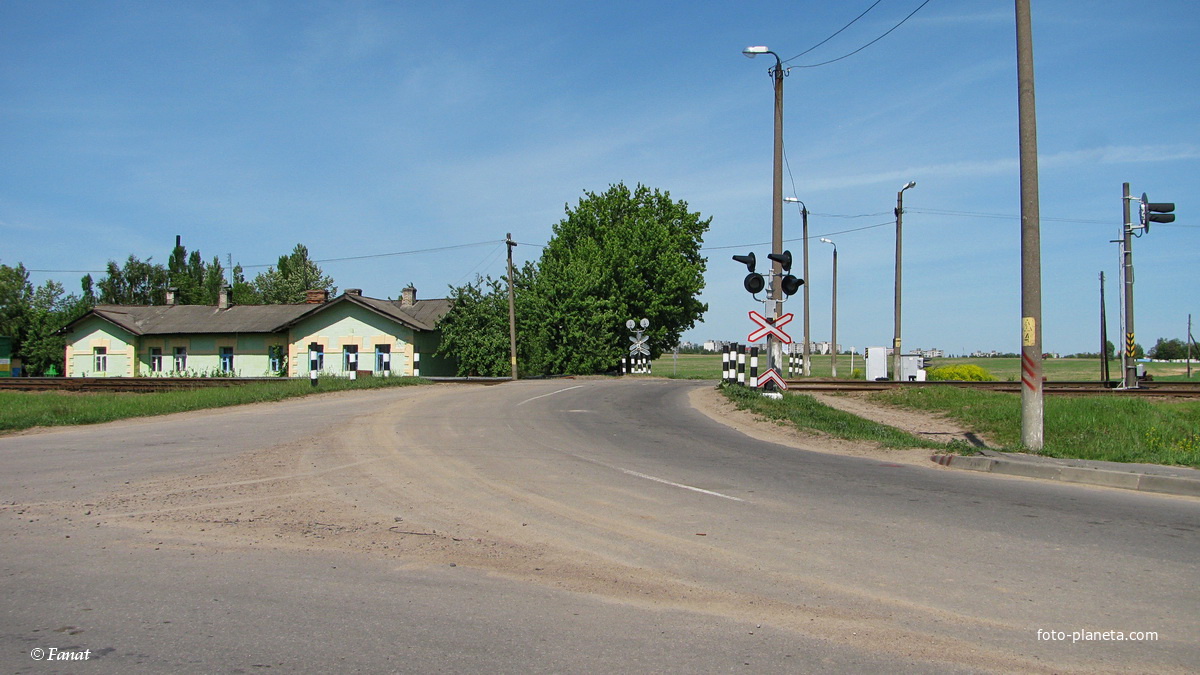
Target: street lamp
[
  {"x": 774, "y": 350},
  {"x": 804, "y": 219},
  {"x": 833, "y": 339},
  {"x": 899, "y": 222}
]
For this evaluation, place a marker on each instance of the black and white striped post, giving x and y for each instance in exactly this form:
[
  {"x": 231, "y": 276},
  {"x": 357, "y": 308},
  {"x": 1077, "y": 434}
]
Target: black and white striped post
[
  {"x": 741, "y": 365},
  {"x": 416, "y": 363},
  {"x": 754, "y": 367}
]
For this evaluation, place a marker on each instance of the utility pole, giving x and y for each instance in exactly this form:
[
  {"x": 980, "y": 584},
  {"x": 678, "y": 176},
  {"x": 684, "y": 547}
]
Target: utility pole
[
  {"x": 1031, "y": 246},
  {"x": 512, "y": 308},
  {"x": 774, "y": 346},
  {"x": 1129, "y": 364},
  {"x": 1103, "y": 336},
  {"x": 807, "y": 369},
  {"x": 899, "y": 242},
  {"x": 1191, "y": 343}
]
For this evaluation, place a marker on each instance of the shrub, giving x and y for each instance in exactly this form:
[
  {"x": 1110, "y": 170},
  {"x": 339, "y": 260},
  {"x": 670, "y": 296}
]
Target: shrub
[{"x": 963, "y": 372}]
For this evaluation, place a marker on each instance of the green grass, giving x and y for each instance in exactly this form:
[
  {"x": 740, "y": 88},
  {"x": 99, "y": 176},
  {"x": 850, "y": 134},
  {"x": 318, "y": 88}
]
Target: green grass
[
  {"x": 804, "y": 411},
  {"x": 24, "y": 410},
  {"x": 1108, "y": 427},
  {"x": 708, "y": 367}
]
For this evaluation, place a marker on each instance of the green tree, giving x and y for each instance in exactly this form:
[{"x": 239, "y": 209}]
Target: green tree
[
  {"x": 1169, "y": 349},
  {"x": 475, "y": 331},
  {"x": 49, "y": 310},
  {"x": 624, "y": 254},
  {"x": 287, "y": 282},
  {"x": 138, "y": 282},
  {"x": 15, "y": 291}
]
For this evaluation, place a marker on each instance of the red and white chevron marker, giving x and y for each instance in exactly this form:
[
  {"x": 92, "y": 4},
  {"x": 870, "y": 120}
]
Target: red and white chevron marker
[
  {"x": 767, "y": 328},
  {"x": 772, "y": 376}
]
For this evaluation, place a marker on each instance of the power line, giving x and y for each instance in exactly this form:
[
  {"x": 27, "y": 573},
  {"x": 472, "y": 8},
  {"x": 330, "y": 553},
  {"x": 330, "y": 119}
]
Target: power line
[
  {"x": 324, "y": 260},
  {"x": 835, "y": 34},
  {"x": 846, "y": 56}
]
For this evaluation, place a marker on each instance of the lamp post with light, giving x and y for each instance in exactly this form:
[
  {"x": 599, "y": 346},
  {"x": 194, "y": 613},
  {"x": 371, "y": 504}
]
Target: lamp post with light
[
  {"x": 804, "y": 220},
  {"x": 899, "y": 222},
  {"x": 833, "y": 338},
  {"x": 774, "y": 347}
]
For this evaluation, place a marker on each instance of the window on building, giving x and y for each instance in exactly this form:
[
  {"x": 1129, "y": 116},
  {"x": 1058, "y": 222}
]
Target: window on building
[
  {"x": 227, "y": 359},
  {"x": 180, "y": 359},
  {"x": 100, "y": 359},
  {"x": 383, "y": 358},
  {"x": 156, "y": 359},
  {"x": 349, "y": 358},
  {"x": 275, "y": 354}
]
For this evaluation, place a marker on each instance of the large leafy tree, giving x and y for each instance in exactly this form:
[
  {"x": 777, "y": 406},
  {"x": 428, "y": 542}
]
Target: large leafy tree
[
  {"x": 296, "y": 273},
  {"x": 623, "y": 254},
  {"x": 137, "y": 282},
  {"x": 475, "y": 333}
]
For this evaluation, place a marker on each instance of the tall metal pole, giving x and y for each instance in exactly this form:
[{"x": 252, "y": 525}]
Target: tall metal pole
[
  {"x": 1103, "y": 336},
  {"x": 1130, "y": 363},
  {"x": 774, "y": 346},
  {"x": 899, "y": 246},
  {"x": 834, "y": 339},
  {"x": 1031, "y": 247},
  {"x": 807, "y": 368},
  {"x": 512, "y": 308}
]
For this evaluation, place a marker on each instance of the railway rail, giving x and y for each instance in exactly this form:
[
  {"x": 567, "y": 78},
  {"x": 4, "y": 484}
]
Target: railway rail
[{"x": 1150, "y": 388}]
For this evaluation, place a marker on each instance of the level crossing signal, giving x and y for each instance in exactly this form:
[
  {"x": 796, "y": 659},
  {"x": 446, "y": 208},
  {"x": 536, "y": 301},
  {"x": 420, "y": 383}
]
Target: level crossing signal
[
  {"x": 1155, "y": 212},
  {"x": 755, "y": 283}
]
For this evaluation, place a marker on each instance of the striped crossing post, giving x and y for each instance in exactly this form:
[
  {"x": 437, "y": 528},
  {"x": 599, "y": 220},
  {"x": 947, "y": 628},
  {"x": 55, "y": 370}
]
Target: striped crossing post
[
  {"x": 741, "y": 365},
  {"x": 416, "y": 363},
  {"x": 754, "y": 367}
]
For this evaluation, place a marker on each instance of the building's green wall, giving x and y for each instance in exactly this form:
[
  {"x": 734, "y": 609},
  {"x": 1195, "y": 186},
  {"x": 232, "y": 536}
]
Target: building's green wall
[{"x": 95, "y": 332}]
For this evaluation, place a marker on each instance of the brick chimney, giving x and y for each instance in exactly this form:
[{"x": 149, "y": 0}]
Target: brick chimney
[
  {"x": 408, "y": 296},
  {"x": 223, "y": 297},
  {"x": 316, "y": 296},
  {"x": 172, "y": 294}
]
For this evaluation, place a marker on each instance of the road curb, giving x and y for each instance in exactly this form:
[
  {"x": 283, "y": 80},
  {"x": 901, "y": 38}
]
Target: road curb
[{"x": 1127, "y": 480}]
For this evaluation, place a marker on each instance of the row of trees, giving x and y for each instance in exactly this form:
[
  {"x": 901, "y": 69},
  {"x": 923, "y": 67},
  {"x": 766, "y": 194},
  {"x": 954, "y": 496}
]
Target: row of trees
[
  {"x": 32, "y": 316},
  {"x": 623, "y": 254}
]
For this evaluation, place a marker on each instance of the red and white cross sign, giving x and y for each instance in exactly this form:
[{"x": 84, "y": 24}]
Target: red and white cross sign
[{"x": 767, "y": 328}]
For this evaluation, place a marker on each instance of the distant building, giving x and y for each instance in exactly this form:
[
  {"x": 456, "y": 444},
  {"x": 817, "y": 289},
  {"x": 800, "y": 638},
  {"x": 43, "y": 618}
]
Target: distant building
[{"x": 349, "y": 333}]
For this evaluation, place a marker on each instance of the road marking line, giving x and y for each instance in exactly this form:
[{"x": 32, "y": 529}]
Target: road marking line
[
  {"x": 578, "y": 386},
  {"x": 679, "y": 485}
]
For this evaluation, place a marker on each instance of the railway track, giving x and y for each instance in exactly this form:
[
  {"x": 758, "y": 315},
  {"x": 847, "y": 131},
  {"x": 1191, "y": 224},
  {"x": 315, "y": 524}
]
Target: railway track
[
  {"x": 123, "y": 384},
  {"x": 1161, "y": 389}
]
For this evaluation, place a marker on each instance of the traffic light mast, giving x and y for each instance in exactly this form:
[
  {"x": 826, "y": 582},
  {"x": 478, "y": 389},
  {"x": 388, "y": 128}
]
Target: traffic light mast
[{"x": 1148, "y": 212}]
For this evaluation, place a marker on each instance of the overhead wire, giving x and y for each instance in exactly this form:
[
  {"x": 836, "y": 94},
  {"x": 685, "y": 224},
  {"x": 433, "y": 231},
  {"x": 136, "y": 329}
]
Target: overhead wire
[
  {"x": 885, "y": 34},
  {"x": 864, "y": 13}
]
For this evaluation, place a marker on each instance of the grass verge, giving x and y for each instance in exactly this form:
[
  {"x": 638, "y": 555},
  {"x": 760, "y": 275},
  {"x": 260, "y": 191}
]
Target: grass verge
[
  {"x": 1110, "y": 428},
  {"x": 24, "y": 410},
  {"x": 805, "y": 412}
]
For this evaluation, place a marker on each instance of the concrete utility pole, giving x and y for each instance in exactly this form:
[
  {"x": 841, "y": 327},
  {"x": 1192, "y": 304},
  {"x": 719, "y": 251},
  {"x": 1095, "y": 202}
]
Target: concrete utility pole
[
  {"x": 899, "y": 240},
  {"x": 774, "y": 346},
  {"x": 806, "y": 368},
  {"x": 1103, "y": 336},
  {"x": 1129, "y": 363},
  {"x": 833, "y": 339},
  {"x": 1031, "y": 246},
  {"x": 512, "y": 308}
]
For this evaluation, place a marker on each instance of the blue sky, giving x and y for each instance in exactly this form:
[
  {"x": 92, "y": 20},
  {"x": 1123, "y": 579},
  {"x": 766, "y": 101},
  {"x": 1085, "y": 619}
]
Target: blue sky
[{"x": 363, "y": 128}]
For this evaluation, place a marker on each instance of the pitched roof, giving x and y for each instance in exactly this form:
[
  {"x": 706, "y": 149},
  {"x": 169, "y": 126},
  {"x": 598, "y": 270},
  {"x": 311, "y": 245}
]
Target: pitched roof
[{"x": 178, "y": 319}]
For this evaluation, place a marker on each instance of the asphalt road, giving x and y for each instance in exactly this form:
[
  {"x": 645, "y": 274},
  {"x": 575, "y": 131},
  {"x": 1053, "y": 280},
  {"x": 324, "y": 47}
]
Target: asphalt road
[{"x": 563, "y": 526}]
